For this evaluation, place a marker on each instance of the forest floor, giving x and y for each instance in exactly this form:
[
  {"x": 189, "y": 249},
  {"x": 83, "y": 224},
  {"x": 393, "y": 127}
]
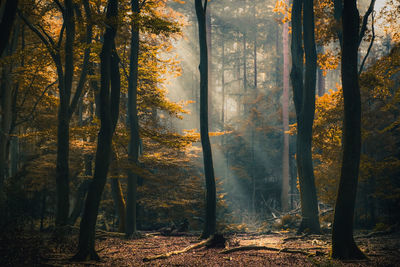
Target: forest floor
[{"x": 41, "y": 249}]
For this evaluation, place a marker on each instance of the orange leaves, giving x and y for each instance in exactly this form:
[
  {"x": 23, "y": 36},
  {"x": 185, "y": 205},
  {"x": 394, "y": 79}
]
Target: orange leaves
[
  {"x": 328, "y": 61},
  {"x": 281, "y": 7}
]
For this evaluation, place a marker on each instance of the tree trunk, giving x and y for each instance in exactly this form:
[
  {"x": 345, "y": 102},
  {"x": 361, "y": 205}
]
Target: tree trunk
[
  {"x": 119, "y": 203},
  {"x": 6, "y": 95},
  {"x": 80, "y": 200},
  {"x": 133, "y": 151},
  {"x": 343, "y": 245},
  {"x": 285, "y": 120},
  {"x": 7, "y": 21},
  {"x": 304, "y": 98},
  {"x": 210, "y": 218},
  {"x": 109, "y": 109},
  {"x": 210, "y": 67},
  {"x": 321, "y": 77}
]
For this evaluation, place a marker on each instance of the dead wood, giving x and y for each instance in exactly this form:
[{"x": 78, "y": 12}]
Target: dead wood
[
  {"x": 246, "y": 248},
  {"x": 295, "y": 237},
  {"x": 176, "y": 252}
]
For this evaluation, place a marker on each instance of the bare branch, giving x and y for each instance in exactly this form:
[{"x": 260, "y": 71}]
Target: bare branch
[
  {"x": 31, "y": 114},
  {"x": 38, "y": 33},
  {"x": 61, "y": 36},
  {"x": 142, "y": 4},
  {"x": 51, "y": 41},
  {"x": 365, "y": 21},
  {"x": 86, "y": 57},
  {"x": 59, "y": 6},
  {"x": 370, "y": 44}
]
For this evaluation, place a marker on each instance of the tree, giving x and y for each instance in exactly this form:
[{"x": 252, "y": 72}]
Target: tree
[
  {"x": 109, "y": 111},
  {"x": 304, "y": 100},
  {"x": 285, "y": 119},
  {"x": 210, "y": 218},
  {"x": 133, "y": 121},
  {"x": 343, "y": 245},
  {"x": 67, "y": 105}
]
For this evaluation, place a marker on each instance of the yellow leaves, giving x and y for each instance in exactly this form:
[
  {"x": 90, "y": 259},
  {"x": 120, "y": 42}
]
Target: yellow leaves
[
  {"x": 281, "y": 7},
  {"x": 328, "y": 61}
]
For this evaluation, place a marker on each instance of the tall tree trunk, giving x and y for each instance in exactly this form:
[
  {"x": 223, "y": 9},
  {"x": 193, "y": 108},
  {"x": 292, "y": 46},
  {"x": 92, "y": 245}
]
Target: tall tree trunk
[
  {"x": 304, "y": 100},
  {"x": 65, "y": 86},
  {"x": 210, "y": 68},
  {"x": 343, "y": 245},
  {"x": 109, "y": 109},
  {"x": 7, "y": 101},
  {"x": 285, "y": 119},
  {"x": 211, "y": 200},
  {"x": 134, "y": 141},
  {"x": 7, "y": 21}
]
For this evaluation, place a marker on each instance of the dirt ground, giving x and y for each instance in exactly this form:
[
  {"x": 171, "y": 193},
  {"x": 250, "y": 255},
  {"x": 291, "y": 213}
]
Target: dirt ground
[{"x": 40, "y": 249}]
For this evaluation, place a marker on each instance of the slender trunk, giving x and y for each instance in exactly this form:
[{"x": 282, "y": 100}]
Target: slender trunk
[
  {"x": 7, "y": 20},
  {"x": 210, "y": 218},
  {"x": 79, "y": 201},
  {"x": 65, "y": 85},
  {"x": 210, "y": 67},
  {"x": 304, "y": 100},
  {"x": 321, "y": 77},
  {"x": 6, "y": 116},
  {"x": 285, "y": 119},
  {"x": 343, "y": 245},
  {"x": 119, "y": 203},
  {"x": 134, "y": 141},
  {"x": 109, "y": 109},
  {"x": 223, "y": 84}
]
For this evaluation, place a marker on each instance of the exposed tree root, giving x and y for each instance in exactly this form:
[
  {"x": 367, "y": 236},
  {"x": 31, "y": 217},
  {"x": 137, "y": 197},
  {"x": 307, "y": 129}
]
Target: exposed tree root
[
  {"x": 246, "y": 248},
  {"x": 213, "y": 241}
]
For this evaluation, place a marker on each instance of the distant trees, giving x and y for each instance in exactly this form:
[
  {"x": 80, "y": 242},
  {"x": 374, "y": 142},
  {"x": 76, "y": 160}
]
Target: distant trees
[
  {"x": 304, "y": 100},
  {"x": 211, "y": 198}
]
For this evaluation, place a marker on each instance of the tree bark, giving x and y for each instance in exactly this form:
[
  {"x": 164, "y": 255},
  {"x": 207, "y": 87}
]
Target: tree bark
[
  {"x": 109, "y": 109},
  {"x": 285, "y": 120},
  {"x": 343, "y": 245},
  {"x": 210, "y": 218},
  {"x": 304, "y": 99},
  {"x": 133, "y": 151},
  {"x": 7, "y": 21}
]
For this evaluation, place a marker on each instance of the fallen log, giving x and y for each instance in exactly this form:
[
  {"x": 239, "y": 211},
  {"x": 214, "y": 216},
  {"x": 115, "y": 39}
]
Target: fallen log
[
  {"x": 215, "y": 240},
  {"x": 246, "y": 248}
]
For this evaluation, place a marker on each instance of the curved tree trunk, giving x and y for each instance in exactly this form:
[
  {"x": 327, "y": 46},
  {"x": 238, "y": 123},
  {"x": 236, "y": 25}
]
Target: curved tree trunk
[
  {"x": 343, "y": 245},
  {"x": 304, "y": 99},
  {"x": 210, "y": 222},
  {"x": 109, "y": 109}
]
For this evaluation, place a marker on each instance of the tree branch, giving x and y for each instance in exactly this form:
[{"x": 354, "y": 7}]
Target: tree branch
[
  {"x": 38, "y": 33},
  {"x": 59, "y": 6},
  {"x": 365, "y": 21},
  {"x": 86, "y": 57},
  {"x": 30, "y": 116},
  {"x": 142, "y": 4},
  {"x": 370, "y": 44},
  {"x": 61, "y": 36}
]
